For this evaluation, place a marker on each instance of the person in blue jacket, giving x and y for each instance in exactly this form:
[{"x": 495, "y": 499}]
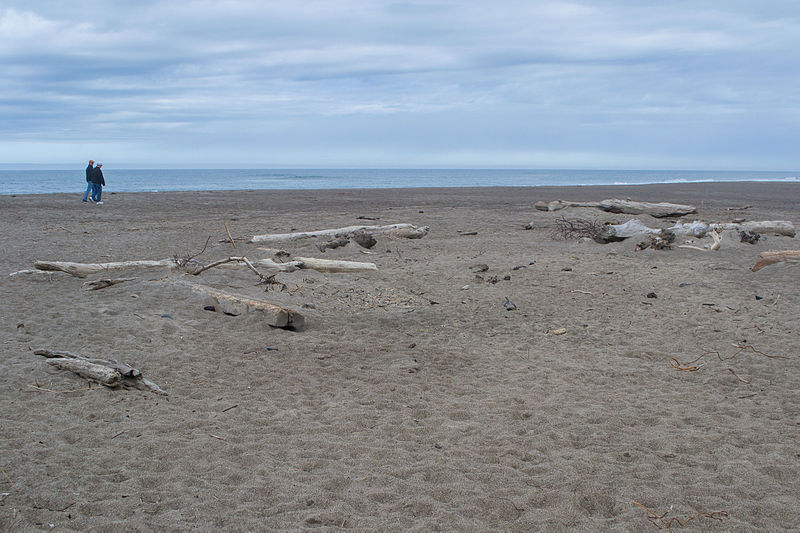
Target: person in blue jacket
[
  {"x": 89, "y": 171},
  {"x": 97, "y": 183}
]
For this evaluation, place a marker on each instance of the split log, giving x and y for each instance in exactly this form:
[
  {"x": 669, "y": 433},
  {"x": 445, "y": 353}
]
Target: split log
[
  {"x": 770, "y": 258},
  {"x": 127, "y": 376},
  {"x": 98, "y": 284},
  {"x": 407, "y": 231},
  {"x": 100, "y": 373},
  {"x": 614, "y": 205},
  {"x": 235, "y": 304},
  {"x": 81, "y": 270}
]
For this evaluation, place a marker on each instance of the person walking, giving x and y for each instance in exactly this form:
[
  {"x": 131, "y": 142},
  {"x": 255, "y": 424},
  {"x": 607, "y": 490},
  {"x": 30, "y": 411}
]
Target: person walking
[
  {"x": 89, "y": 172},
  {"x": 97, "y": 184}
]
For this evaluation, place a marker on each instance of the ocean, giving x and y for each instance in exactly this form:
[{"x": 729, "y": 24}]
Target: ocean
[{"x": 31, "y": 181}]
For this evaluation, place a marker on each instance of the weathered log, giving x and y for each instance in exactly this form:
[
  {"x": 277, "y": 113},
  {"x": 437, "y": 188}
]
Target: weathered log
[
  {"x": 329, "y": 265},
  {"x": 81, "y": 270},
  {"x": 235, "y": 304},
  {"x": 770, "y": 258},
  {"x": 407, "y": 231},
  {"x": 617, "y": 232},
  {"x": 614, "y": 205},
  {"x": 306, "y": 263},
  {"x": 129, "y": 377},
  {"x": 100, "y": 373},
  {"x": 124, "y": 370},
  {"x": 776, "y": 227},
  {"x": 98, "y": 284}
]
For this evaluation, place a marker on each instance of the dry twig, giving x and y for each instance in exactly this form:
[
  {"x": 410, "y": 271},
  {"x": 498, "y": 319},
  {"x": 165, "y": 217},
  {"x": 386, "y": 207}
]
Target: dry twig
[
  {"x": 185, "y": 260},
  {"x": 690, "y": 366}
]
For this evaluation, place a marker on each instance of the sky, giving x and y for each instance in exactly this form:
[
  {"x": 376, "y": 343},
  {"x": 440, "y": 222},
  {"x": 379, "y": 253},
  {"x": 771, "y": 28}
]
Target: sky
[{"x": 617, "y": 84}]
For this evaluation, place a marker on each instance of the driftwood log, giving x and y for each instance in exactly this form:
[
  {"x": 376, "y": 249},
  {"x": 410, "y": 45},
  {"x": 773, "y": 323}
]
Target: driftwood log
[
  {"x": 297, "y": 263},
  {"x": 236, "y": 304},
  {"x": 618, "y": 232},
  {"x": 407, "y": 231},
  {"x": 770, "y": 258},
  {"x": 109, "y": 372},
  {"x": 614, "y": 205},
  {"x": 81, "y": 270}
]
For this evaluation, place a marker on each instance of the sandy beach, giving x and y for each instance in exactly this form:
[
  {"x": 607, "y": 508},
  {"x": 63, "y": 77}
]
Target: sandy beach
[{"x": 487, "y": 377}]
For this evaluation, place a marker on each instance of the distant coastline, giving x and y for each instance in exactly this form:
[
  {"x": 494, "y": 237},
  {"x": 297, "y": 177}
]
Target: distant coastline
[{"x": 61, "y": 180}]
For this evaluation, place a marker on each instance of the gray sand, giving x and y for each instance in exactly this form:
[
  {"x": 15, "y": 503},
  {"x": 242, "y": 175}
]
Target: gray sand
[{"x": 412, "y": 400}]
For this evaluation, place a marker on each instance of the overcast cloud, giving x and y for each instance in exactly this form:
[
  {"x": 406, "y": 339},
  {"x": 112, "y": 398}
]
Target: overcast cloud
[{"x": 711, "y": 84}]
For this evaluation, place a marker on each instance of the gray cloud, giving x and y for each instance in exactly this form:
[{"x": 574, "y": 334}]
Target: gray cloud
[{"x": 581, "y": 84}]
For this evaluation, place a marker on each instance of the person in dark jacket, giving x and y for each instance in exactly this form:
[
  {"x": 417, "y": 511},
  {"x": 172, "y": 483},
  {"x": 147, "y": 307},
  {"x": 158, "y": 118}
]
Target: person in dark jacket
[
  {"x": 89, "y": 172},
  {"x": 97, "y": 183}
]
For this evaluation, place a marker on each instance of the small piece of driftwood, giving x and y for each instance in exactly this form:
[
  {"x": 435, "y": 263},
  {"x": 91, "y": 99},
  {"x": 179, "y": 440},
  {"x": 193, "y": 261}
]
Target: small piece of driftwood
[
  {"x": 770, "y": 258},
  {"x": 407, "y": 231},
  {"x": 236, "y": 304},
  {"x": 98, "y": 284},
  {"x": 614, "y": 205},
  {"x": 81, "y": 270},
  {"x": 109, "y": 372}
]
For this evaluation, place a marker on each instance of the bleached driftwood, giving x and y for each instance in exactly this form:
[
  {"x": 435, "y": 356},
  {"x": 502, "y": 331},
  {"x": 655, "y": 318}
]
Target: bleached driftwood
[
  {"x": 100, "y": 373},
  {"x": 235, "y": 304},
  {"x": 34, "y": 273},
  {"x": 98, "y": 284},
  {"x": 770, "y": 258},
  {"x": 302, "y": 263},
  {"x": 407, "y": 231},
  {"x": 614, "y": 205},
  {"x": 109, "y": 372},
  {"x": 81, "y": 270},
  {"x": 617, "y": 232},
  {"x": 329, "y": 265},
  {"x": 774, "y": 227}
]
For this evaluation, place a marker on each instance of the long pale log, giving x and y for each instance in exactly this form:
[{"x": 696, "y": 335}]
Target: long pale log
[
  {"x": 320, "y": 265},
  {"x": 614, "y": 205},
  {"x": 776, "y": 227},
  {"x": 101, "y": 373},
  {"x": 330, "y": 265},
  {"x": 770, "y": 258},
  {"x": 236, "y": 304},
  {"x": 407, "y": 231},
  {"x": 81, "y": 270}
]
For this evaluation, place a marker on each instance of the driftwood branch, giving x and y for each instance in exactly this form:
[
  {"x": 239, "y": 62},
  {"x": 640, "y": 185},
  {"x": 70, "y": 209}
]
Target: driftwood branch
[
  {"x": 407, "y": 231},
  {"x": 109, "y": 372},
  {"x": 770, "y": 258},
  {"x": 614, "y": 205},
  {"x": 81, "y": 270}
]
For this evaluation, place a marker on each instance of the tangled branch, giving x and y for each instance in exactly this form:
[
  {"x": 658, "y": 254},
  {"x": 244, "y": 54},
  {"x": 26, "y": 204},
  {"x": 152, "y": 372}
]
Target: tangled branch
[
  {"x": 270, "y": 280},
  {"x": 183, "y": 261},
  {"x": 576, "y": 228}
]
